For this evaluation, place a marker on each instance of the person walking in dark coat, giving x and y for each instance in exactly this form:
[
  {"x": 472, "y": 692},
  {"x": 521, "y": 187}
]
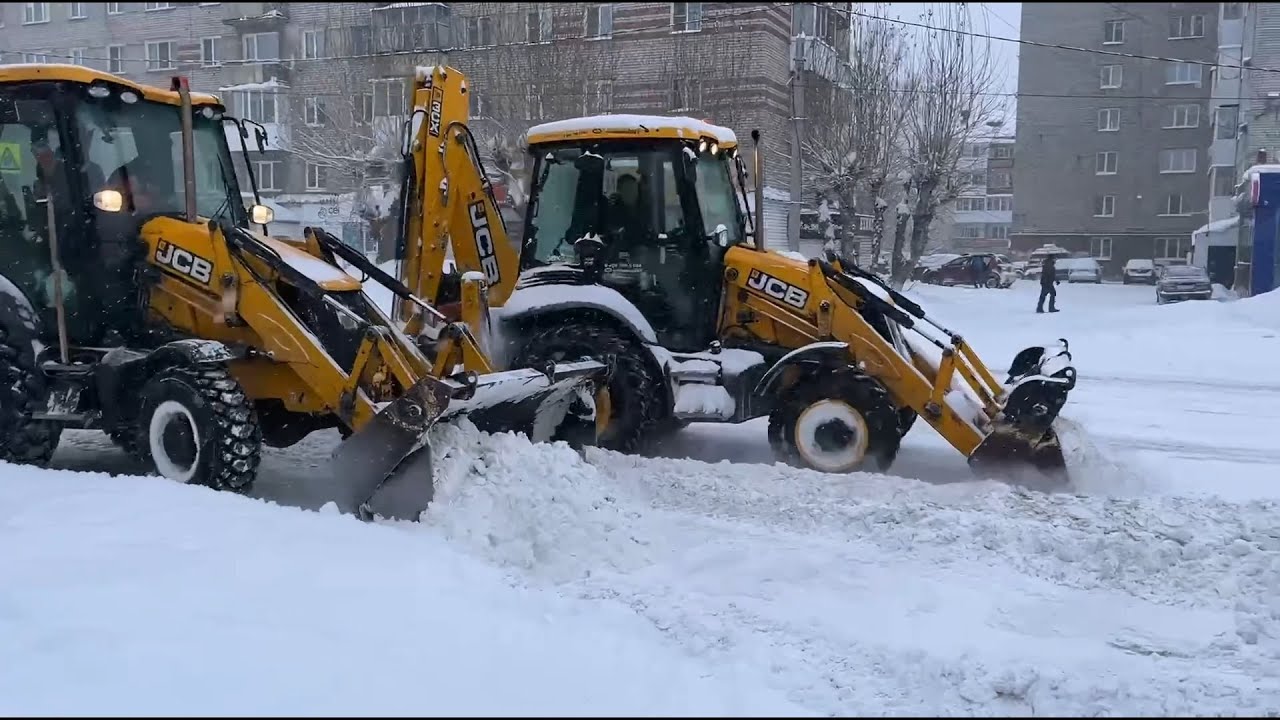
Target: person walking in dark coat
[{"x": 1048, "y": 279}]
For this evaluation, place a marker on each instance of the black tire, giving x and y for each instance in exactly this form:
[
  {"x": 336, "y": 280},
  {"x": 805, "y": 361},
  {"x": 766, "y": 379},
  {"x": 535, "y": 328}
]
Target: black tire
[
  {"x": 229, "y": 447},
  {"x": 636, "y": 389},
  {"x": 906, "y": 418},
  {"x": 22, "y": 389},
  {"x": 126, "y": 438},
  {"x": 993, "y": 281},
  {"x": 863, "y": 394}
]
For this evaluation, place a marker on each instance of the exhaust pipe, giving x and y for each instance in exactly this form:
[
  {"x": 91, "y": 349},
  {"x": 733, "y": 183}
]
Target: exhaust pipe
[
  {"x": 181, "y": 86},
  {"x": 757, "y": 170}
]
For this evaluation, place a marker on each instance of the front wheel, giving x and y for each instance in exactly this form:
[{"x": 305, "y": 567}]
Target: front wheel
[
  {"x": 837, "y": 425},
  {"x": 197, "y": 427},
  {"x": 993, "y": 282}
]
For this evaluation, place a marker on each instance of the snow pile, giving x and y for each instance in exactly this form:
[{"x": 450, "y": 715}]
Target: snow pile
[
  {"x": 139, "y": 597},
  {"x": 539, "y": 507}
]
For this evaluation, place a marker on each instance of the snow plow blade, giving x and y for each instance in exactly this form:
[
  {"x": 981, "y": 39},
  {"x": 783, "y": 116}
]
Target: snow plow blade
[
  {"x": 385, "y": 469},
  {"x": 1023, "y": 440}
]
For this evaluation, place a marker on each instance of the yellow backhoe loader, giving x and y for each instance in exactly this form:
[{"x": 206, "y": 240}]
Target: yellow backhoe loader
[
  {"x": 639, "y": 250},
  {"x": 137, "y": 297}
]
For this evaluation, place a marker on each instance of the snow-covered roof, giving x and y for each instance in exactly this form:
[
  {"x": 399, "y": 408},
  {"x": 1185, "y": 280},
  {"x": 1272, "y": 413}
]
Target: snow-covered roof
[
  {"x": 1262, "y": 168},
  {"x": 684, "y": 127},
  {"x": 1219, "y": 225},
  {"x": 268, "y": 85}
]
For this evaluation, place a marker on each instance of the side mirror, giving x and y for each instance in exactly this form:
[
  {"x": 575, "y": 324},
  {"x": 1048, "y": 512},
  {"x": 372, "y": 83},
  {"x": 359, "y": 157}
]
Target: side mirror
[
  {"x": 589, "y": 161},
  {"x": 721, "y": 234},
  {"x": 108, "y": 200},
  {"x": 261, "y": 214},
  {"x": 261, "y": 136}
]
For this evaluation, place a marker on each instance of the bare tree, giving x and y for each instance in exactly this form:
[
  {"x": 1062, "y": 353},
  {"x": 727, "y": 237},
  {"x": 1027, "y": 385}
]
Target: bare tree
[
  {"x": 855, "y": 139},
  {"x": 955, "y": 76}
]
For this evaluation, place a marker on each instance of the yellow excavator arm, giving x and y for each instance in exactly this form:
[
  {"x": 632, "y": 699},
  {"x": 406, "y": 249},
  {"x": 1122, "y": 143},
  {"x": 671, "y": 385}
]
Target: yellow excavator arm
[{"x": 448, "y": 197}]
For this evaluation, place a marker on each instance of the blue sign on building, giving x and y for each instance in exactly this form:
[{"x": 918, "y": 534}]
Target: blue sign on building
[{"x": 1257, "y": 262}]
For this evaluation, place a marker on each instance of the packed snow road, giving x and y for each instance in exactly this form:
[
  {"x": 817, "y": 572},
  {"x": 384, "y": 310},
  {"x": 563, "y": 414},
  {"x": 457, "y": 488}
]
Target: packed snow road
[{"x": 737, "y": 588}]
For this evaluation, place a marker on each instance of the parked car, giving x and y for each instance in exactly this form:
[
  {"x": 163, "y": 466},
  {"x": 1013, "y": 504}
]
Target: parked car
[
  {"x": 959, "y": 271},
  {"x": 1139, "y": 271},
  {"x": 1081, "y": 270},
  {"x": 928, "y": 263},
  {"x": 1183, "y": 282}
]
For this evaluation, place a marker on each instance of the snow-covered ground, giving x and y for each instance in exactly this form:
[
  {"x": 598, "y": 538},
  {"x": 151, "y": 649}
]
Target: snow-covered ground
[{"x": 543, "y": 582}]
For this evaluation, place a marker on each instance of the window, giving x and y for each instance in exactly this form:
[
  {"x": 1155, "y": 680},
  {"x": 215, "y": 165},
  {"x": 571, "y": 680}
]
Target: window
[
  {"x": 1100, "y": 248},
  {"x": 1106, "y": 162},
  {"x": 35, "y": 57},
  {"x": 979, "y": 179},
  {"x": 1179, "y": 160},
  {"x": 76, "y": 11},
  {"x": 262, "y": 46},
  {"x": 266, "y": 170},
  {"x": 1182, "y": 116},
  {"x": 1173, "y": 204},
  {"x": 479, "y": 105},
  {"x": 1232, "y": 11},
  {"x": 1182, "y": 73},
  {"x": 77, "y": 56},
  {"x": 389, "y": 98},
  {"x": 408, "y": 27},
  {"x": 1224, "y": 184},
  {"x": 816, "y": 20},
  {"x": 686, "y": 17},
  {"x": 363, "y": 111},
  {"x": 1172, "y": 248},
  {"x": 315, "y": 176},
  {"x": 1112, "y": 76},
  {"x": 256, "y": 105},
  {"x": 538, "y": 26},
  {"x": 975, "y": 151},
  {"x": 970, "y": 232},
  {"x": 1000, "y": 180},
  {"x": 162, "y": 55},
  {"x": 35, "y": 13},
  {"x": 115, "y": 59},
  {"x": 313, "y": 111},
  {"x": 148, "y": 7},
  {"x": 1001, "y": 152},
  {"x": 597, "y": 97},
  {"x": 971, "y": 204},
  {"x": 1000, "y": 203},
  {"x": 533, "y": 102},
  {"x": 685, "y": 93},
  {"x": 1113, "y": 32},
  {"x": 477, "y": 32},
  {"x": 599, "y": 21},
  {"x": 998, "y": 232},
  {"x": 1226, "y": 122},
  {"x": 209, "y": 55},
  {"x": 1109, "y": 120},
  {"x": 1104, "y": 205},
  {"x": 1186, "y": 26},
  {"x": 114, "y": 9},
  {"x": 313, "y": 44}
]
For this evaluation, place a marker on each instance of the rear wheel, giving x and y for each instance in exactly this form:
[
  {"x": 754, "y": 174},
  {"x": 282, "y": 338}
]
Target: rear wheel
[
  {"x": 993, "y": 281},
  {"x": 636, "y": 392},
  {"x": 22, "y": 390},
  {"x": 843, "y": 423},
  {"x": 197, "y": 427}
]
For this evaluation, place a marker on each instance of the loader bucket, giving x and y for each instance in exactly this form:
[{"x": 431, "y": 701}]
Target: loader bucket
[
  {"x": 1023, "y": 436},
  {"x": 389, "y": 462}
]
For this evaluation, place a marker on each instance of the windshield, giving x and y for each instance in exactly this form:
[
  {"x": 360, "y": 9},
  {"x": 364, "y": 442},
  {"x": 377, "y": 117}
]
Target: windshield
[
  {"x": 716, "y": 198},
  {"x": 137, "y": 149}
]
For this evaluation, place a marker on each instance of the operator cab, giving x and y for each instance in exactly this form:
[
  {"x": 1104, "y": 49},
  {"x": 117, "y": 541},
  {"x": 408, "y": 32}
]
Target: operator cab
[
  {"x": 109, "y": 154},
  {"x": 647, "y": 206}
]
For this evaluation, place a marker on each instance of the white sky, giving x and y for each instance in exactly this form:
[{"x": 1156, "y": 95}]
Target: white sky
[{"x": 1002, "y": 19}]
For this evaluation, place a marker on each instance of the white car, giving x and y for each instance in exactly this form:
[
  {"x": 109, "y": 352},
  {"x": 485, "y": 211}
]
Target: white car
[
  {"x": 1138, "y": 270},
  {"x": 1082, "y": 270}
]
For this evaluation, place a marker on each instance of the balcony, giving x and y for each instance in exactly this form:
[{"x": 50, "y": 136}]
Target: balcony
[{"x": 265, "y": 102}]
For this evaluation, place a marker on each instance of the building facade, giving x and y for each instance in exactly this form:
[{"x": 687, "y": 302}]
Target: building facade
[
  {"x": 1114, "y": 152},
  {"x": 983, "y": 213},
  {"x": 327, "y": 80}
]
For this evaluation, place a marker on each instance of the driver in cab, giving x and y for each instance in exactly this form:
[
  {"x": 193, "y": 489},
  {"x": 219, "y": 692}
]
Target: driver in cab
[{"x": 628, "y": 218}]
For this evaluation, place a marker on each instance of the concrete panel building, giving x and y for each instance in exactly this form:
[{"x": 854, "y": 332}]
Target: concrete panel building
[
  {"x": 1113, "y": 152},
  {"x": 983, "y": 213}
]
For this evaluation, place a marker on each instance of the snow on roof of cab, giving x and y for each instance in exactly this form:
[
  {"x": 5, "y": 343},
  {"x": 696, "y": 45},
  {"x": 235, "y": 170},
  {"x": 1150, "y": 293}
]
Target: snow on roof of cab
[{"x": 685, "y": 127}]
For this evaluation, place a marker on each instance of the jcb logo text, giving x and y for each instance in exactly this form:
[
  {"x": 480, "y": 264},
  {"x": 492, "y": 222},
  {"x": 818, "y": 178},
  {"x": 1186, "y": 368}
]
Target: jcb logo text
[
  {"x": 777, "y": 289},
  {"x": 484, "y": 243},
  {"x": 437, "y": 107},
  {"x": 193, "y": 266}
]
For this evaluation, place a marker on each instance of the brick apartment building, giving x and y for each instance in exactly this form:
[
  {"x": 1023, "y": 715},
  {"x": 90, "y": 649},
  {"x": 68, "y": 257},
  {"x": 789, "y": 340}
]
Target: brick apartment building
[
  {"x": 980, "y": 218},
  {"x": 1113, "y": 152},
  {"x": 327, "y": 80}
]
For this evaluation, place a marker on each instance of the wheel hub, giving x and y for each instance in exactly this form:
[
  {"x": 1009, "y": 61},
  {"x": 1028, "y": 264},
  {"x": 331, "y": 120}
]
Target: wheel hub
[
  {"x": 831, "y": 436},
  {"x": 174, "y": 441},
  {"x": 179, "y": 441}
]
